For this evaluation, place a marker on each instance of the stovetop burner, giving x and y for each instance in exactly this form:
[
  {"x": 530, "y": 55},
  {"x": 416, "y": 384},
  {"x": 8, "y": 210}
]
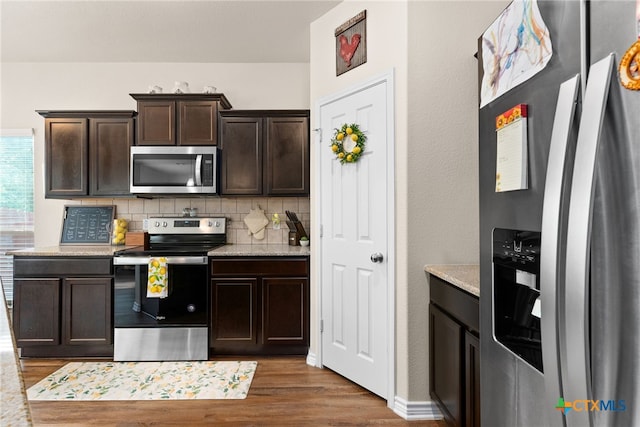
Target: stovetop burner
[{"x": 181, "y": 236}]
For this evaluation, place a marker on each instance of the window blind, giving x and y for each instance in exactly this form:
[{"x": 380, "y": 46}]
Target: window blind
[{"x": 16, "y": 199}]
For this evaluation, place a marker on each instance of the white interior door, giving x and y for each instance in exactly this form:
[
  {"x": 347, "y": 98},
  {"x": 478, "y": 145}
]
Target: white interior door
[{"x": 354, "y": 223}]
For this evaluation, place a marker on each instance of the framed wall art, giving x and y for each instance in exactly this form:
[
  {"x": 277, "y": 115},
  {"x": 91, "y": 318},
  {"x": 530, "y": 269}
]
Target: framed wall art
[{"x": 351, "y": 43}]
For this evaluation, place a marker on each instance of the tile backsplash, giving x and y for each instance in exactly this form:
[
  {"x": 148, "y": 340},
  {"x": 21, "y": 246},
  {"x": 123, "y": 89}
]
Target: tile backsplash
[{"x": 234, "y": 209}]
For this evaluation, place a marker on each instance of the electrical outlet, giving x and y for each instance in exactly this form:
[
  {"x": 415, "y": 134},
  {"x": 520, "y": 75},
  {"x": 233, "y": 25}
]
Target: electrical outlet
[{"x": 145, "y": 224}]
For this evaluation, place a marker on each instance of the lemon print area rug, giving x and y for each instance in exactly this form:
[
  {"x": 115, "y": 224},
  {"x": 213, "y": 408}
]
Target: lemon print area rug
[{"x": 146, "y": 381}]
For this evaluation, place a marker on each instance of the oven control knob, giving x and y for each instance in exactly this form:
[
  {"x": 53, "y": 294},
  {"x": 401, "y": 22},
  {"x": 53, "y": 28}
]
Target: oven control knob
[
  {"x": 157, "y": 224},
  {"x": 216, "y": 224},
  {"x": 164, "y": 223},
  {"x": 191, "y": 308}
]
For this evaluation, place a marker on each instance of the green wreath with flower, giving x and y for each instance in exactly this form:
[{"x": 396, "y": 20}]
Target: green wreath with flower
[{"x": 348, "y": 143}]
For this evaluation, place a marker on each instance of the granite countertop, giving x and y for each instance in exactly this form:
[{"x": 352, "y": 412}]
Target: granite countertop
[
  {"x": 260, "y": 250},
  {"x": 108, "y": 250},
  {"x": 463, "y": 276},
  {"x": 71, "y": 250},
  {"x": 15, "y": 407}
]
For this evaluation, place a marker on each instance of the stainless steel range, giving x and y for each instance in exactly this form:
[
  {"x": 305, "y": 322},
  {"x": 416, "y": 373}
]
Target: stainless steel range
[{"x": 174, "y": 327}]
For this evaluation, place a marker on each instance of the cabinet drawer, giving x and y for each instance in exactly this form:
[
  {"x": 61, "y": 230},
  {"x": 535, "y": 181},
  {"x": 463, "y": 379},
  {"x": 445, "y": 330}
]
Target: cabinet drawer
[
  {"x": 259, "y": 266},
  {"x": 61, "y": 266},
  {"x": 456, "y": 302}
]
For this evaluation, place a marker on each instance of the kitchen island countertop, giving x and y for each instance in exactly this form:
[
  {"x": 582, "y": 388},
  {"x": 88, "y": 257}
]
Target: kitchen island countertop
[
  {"x": 15, "y": 405},
  {"x": 463, "y": 276}
]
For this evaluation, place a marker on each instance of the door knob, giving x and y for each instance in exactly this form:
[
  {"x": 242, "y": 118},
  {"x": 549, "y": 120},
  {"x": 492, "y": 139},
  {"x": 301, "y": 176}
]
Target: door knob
[{"x": 377, "y": 257}]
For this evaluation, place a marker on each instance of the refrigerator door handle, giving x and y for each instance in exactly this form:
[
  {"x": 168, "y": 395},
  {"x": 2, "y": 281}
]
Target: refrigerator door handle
[
  {"x": 550, "y": 253},
  {"x": 576, "y": 375}
]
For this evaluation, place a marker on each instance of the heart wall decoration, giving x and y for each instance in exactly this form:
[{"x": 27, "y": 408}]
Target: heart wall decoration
[{"x": 351, "y": 43}]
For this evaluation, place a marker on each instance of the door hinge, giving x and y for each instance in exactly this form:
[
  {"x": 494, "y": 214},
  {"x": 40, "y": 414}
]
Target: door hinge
[{"x": 321, "y": 325}]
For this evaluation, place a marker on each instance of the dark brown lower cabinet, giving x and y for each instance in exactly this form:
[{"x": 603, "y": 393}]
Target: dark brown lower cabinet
[
  {"x": 234, "y": 308},
  {"x": 259, "y": 305},
  {"x": 63, "y": 308},
  {"x": 454, "y": 353}
]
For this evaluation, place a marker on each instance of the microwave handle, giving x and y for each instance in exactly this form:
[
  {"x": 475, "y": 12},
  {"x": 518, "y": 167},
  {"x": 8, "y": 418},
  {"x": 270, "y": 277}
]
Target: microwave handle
[{"x": 199, "y": 170}]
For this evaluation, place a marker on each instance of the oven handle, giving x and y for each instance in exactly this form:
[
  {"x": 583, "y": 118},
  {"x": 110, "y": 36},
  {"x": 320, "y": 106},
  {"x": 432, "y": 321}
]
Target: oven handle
[{"x": 137, "y": 260}]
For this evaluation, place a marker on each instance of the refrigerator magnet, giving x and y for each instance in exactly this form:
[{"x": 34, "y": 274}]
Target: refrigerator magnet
[{"x": 629, "y": 68}]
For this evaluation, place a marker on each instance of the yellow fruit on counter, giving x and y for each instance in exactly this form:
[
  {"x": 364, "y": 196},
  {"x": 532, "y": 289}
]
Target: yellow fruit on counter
[{"x": 349, "y": 131}]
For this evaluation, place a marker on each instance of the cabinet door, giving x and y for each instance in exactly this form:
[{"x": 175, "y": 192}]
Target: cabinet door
[
  {"x": 87, "y": 311},
  {"x": 234, "y": 311},
  {"x": 287, "y": 151},
  {"x": 447, "y": 383},
  {"x": 109, "y": 143},
  {"x": 66, "y": 146},
  {"x": 156, "y": 123},
  {"x": 472, "y": 380},
  {"x": 198, "y": 122},
  {"x": 285, "y": 314},
  {"x": 241, "y": 144},
  {"x": 36, "y": 312}
]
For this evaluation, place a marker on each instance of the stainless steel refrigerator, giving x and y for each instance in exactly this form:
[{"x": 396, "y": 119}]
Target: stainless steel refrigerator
[{"x": 560, "y": 260}]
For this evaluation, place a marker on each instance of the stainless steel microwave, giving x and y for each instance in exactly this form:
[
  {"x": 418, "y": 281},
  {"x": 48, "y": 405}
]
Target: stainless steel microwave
[{"x": 173, "y": 170}]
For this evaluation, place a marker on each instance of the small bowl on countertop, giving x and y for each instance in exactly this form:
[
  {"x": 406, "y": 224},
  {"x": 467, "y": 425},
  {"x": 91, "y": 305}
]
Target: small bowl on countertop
[{"x": 304, "y": 243}]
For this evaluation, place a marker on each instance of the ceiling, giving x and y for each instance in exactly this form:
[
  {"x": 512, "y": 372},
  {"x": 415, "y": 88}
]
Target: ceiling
[{"x": 158, "y": 30}]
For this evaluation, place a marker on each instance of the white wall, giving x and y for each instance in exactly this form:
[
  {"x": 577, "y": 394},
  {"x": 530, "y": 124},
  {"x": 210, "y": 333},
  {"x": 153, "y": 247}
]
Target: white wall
[
  {"x": 443, "y": 155},
  {"x": 26, "y": 87}
]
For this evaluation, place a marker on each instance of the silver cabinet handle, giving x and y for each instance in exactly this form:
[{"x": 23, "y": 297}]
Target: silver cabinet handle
[{"x": 377, "y": 257}]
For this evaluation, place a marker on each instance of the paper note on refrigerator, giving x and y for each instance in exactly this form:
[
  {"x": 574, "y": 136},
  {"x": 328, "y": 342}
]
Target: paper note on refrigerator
[{"x": 511, "y": 151}]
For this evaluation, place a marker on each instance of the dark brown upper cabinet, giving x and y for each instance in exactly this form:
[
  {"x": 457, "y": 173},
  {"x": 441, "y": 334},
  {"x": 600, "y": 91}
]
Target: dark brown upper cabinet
[
  {"x": 264, "y": 152},
  {"x": 179, "y": 119},
  {"x": 87, "y": 153}
]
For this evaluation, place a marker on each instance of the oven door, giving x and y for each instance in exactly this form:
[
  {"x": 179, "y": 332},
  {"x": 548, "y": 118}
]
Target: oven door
[
  {"x": 174, "y": 170},
  {"x": 171, "y": 328}
]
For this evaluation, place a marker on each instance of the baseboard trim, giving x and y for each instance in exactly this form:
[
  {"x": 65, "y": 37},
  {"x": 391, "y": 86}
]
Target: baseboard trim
[
  {"x": 312, "y": 359},
  {"x": 427, "y": 410}
]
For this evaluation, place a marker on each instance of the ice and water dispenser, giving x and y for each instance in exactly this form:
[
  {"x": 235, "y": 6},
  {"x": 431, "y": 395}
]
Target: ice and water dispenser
[{"x": 516, "y": 293}]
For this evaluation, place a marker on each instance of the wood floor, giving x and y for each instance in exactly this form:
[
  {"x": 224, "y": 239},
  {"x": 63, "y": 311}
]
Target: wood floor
[{"x": 285, "y": 392}]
